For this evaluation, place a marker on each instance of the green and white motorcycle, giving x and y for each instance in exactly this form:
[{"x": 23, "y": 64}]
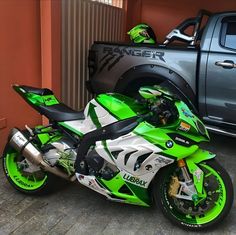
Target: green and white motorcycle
[{"x": 137, "y": 152}]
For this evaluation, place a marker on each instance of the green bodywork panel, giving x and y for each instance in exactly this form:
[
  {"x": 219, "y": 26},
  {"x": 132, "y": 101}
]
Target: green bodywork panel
[
  {"x": 120, "y": 106},
  {"x": 192, "y": 169},
  {"x": 198, "y": 156},
  {"x": 159, "y": 137},
  {"x": 37, "y": 100},
  {"x": 187, "y": 117},
  {"x": 201, "y": 155},
  {"x": 140, "y": 195},
  {"x": 45, "y": 137}
]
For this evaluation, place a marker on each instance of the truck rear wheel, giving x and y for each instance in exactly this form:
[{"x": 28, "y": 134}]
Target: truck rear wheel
[{"x": 132, "y": 90}]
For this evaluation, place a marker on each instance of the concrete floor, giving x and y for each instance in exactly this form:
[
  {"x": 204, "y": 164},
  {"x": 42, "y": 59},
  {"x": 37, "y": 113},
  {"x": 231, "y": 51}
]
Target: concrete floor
[{"x": 78, "y": 210}]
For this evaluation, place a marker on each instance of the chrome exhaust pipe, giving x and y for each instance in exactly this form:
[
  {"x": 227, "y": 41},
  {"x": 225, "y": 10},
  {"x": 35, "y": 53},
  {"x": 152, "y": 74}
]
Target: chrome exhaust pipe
[{"x": 21, "y": 144}]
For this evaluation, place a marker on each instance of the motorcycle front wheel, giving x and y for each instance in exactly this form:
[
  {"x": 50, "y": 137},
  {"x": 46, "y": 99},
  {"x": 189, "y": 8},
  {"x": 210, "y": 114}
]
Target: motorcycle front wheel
[{"x": 209, "y": 212}]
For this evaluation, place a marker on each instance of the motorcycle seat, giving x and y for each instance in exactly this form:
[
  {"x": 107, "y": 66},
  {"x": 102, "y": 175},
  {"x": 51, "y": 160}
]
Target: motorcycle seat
[{"x": 60, "y": 113}]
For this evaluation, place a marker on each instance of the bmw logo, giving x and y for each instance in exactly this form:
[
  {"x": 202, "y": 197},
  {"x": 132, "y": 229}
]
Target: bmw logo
[{"x": 169, "y": 144}]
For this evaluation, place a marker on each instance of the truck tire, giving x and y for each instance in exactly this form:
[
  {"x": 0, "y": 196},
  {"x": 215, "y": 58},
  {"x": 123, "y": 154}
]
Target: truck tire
[
  {"x": 132, "y": 90},
  {"x": 147, "y": 75}
]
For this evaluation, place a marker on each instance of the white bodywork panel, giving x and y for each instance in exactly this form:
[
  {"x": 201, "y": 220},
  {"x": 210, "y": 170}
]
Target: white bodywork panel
[
  {"x": 135, "y": 146},
  {"x": 87, "y": 125}
]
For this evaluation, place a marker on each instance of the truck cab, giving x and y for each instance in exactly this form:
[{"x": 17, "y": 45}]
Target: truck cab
[{"x": 217, "y": 71}]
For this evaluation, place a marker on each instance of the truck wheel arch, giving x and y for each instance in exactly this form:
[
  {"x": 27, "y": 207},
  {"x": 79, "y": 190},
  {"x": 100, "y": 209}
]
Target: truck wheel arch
[{"x": 149, "y": 74}]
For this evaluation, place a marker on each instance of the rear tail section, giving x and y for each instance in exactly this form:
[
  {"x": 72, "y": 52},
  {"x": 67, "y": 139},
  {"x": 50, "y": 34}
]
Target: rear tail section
[
  {"x": 44, "y": 101},
  {"x": 36, "y": 96}
]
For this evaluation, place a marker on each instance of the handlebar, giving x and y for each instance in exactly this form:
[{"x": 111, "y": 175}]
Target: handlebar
[{"x": 161, "y": 112}]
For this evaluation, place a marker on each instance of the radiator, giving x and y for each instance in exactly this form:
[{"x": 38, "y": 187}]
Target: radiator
[{"x": 83, "y": 22}]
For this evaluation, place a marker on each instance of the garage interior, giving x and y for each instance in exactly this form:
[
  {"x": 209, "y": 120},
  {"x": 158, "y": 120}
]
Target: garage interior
[{"x": 45, "y": 43}]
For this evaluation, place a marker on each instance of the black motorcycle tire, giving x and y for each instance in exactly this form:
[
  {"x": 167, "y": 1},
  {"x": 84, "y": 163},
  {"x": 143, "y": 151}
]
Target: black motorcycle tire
[{"x": 161, "y": 197}]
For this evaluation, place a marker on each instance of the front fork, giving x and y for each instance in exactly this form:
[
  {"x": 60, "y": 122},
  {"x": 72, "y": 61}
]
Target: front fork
[{"x": 192, "y": 186}]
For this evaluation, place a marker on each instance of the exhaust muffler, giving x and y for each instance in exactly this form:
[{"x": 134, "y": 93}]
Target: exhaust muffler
[{"x": 21, "y": 144}]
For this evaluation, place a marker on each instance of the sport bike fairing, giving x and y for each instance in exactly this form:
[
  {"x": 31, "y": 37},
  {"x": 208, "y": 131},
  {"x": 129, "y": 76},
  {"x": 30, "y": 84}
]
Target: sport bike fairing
[
  {"x": 116, "y": 147},
  {"x": 130, "y": 147},
  {"x": 137, "y": 158}
]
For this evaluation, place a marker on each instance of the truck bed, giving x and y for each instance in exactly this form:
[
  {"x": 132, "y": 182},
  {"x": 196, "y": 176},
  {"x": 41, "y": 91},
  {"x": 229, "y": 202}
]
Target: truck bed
[{"x": 109, "y": 61}]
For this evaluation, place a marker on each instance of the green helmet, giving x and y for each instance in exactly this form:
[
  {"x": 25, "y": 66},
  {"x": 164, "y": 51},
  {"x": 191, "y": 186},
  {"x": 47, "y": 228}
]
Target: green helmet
[{"x": 142, "y": 33}]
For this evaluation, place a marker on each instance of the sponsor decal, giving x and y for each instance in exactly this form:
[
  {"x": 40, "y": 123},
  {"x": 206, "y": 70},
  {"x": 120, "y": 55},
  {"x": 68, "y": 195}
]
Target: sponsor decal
[
  {"x": 134, "y": 180},
  {"x": 162, "y": 160},
  {"x": 184, "y": 127},
  {"x": 182, "y": 141},
  {"x": 22, "y": 183},
  {"x": 198, "y": 173},
  {"x": 187, "y": 113}
]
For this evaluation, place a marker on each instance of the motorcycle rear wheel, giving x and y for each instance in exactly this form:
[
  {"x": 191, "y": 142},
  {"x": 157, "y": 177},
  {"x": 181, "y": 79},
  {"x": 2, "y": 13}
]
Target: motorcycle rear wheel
[
  {"x": 31, "y": 184},
  {"x": 210, "y": 212}
]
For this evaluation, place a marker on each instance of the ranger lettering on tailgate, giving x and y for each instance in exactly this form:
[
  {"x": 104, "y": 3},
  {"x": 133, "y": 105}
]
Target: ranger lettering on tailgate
[{"x": 119, "y": 52}]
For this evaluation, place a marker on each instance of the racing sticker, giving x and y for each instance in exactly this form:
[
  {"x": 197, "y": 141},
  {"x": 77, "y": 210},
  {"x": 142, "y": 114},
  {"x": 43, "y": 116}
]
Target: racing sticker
[
  {"x": 184, "y": 127},
  {"x": 187, "y": 113}
]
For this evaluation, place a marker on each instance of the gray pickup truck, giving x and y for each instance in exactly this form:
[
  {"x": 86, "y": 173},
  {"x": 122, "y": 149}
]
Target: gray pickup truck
[{"x": 201, "y": 70}]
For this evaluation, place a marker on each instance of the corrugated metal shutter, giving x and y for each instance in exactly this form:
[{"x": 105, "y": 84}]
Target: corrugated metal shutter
[{"x": 83, "y": 22}]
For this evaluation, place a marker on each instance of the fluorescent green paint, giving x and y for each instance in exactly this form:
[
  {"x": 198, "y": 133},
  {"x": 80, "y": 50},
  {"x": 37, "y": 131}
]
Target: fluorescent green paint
[
  {"x": 120, "y": 106},
  {"x": 186, "y": 116},
  {"x": 50, "y": 100},
  {"x": 44, "y": 135},
  {"x": 198, "y": 183},
  {"x": 15, "y": 174},
  {"x": 159, "y": 137},
  {"x": 114, "y": 184},
  {"x": 93, "y": 115},
  {"x": 200, "y": 155},
  {"x": 219, "y": 204}
]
